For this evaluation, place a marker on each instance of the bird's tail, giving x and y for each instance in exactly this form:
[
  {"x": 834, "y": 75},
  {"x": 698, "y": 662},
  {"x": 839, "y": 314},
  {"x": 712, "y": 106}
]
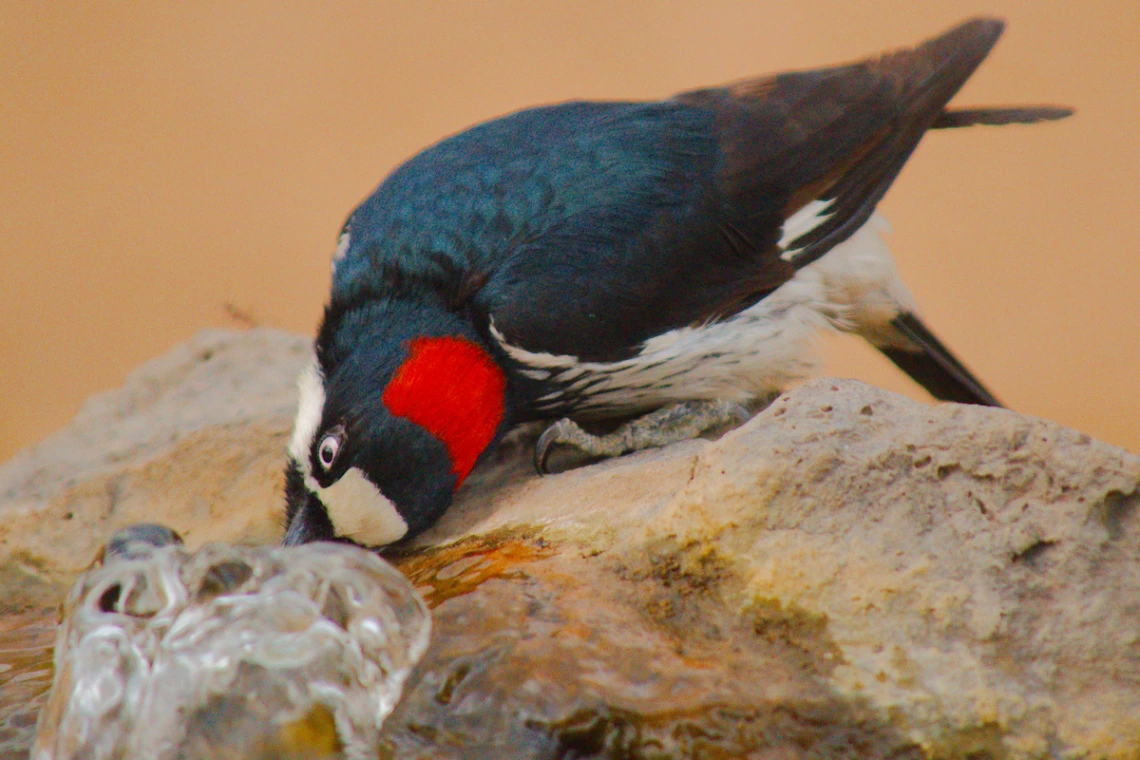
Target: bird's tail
[
  {"x": 952, "y": 118},
  {"x": 922, "y": 81},
  {"x": 860, "y": 278},
  {"x": 929, "y": 363}
]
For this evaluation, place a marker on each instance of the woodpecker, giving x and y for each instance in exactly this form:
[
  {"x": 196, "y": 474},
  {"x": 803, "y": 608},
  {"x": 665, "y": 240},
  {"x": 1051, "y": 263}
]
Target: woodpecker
[{"x": 672, "y": 259}]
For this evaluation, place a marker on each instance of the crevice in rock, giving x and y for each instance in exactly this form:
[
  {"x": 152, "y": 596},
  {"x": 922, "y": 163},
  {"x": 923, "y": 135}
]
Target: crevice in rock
[
  {"x": 1034, "y": 553},
  {"x": 830, "y": 728},
  {"x": 1115, "y": 510}
]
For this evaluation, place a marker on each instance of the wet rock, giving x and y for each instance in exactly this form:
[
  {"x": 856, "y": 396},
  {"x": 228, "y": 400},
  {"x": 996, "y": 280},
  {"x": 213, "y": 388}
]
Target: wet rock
[
  {"x": 544, "y": 653},
  {"x": 230, "y": 652},
  {"x": 851, "y": 573}
]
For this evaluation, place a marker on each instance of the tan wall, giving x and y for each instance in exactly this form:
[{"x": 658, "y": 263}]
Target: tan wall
[{"x": 162, "y": 160}]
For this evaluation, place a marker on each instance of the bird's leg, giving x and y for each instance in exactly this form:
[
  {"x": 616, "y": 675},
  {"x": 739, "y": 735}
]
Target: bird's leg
[{"x": 677, "y": 422}]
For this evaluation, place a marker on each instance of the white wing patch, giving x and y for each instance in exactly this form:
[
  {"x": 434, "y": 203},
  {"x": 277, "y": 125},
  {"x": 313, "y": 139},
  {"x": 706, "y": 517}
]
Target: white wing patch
[
  {"x": 801, "y": 223},
  {"x": 854, "y": 287},
  {"x": 533, "y": 359}
]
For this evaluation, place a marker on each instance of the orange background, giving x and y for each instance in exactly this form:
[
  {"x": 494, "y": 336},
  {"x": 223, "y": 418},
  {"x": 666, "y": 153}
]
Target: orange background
[{"x": 161, "y": 160}]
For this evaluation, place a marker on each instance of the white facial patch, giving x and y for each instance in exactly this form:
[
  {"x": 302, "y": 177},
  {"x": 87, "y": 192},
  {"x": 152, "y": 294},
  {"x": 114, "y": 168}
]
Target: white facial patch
[
  {"x": 359, "y": 511},
  {"x": 311, "y": 393},
  {"x": 356, "y": 508}
]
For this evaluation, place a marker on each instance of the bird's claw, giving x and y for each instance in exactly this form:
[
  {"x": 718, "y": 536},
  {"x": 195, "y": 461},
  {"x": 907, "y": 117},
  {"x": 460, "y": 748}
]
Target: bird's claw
[
  {"x": 543, "y": 446},
  {"x": 559, "y": 432},
  {"x": 679, "y": 422}
]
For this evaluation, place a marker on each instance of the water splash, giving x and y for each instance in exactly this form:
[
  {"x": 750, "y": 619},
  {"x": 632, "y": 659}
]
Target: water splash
[
  {"x": 231, "y": 652},
  {"x": 25, "y": 675}
]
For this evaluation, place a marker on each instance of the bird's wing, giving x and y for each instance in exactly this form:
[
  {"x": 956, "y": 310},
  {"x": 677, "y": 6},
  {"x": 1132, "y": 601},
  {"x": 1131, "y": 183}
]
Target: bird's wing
[
  {"x": 641, "y": 242},
  {"x": 796, "y": 165},
  {"x": 586, "y": 229},
  {"x": 829, "y": 143}
]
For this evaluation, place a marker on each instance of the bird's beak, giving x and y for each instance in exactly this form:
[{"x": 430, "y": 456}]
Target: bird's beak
[{"x": 310, "y": 522}]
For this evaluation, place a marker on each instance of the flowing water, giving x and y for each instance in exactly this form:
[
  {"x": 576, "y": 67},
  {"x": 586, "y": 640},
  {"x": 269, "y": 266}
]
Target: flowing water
[{"x": 26, "y": 643}]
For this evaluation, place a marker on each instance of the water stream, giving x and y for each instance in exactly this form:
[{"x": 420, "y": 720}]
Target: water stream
[{"x": 26, "y": 643}]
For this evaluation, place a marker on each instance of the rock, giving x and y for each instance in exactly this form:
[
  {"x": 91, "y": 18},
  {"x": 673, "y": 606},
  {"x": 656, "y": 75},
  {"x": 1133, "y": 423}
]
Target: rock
[
  {"x": 193, "y": 440},
  {"x": 850, "y": 573}
]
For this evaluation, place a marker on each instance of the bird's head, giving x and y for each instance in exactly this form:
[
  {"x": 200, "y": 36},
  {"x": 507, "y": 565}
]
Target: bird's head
[{"x": 386, "y": 432}]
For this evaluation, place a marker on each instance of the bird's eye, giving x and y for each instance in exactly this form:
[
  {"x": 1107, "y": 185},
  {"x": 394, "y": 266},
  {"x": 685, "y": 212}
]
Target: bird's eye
[{"x": 330, "y": 447}]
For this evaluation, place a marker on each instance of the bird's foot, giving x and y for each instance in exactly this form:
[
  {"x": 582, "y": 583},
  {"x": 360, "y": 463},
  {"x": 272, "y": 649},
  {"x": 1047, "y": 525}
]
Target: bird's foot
[{"x": 671, "y": 424}]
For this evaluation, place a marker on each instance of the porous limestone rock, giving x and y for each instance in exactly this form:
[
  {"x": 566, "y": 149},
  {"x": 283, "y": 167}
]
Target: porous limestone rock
[{"x": 849, "y": 574}]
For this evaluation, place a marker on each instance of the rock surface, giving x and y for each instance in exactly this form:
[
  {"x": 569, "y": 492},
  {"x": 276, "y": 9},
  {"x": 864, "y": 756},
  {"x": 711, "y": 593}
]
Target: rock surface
[
  {"x": 194, "y": 439},
  {"x": 851, "y": 573}
]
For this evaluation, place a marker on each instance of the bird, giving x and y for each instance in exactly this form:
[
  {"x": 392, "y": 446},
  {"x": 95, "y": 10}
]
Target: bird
[{"x": 666, "y": 263}]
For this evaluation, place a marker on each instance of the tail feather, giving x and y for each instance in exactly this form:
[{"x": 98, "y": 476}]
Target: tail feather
[
  {"x": 924, "y": 79},
  {"x": 932, "y": 366},
  {"x": 969, "y": 117}
]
